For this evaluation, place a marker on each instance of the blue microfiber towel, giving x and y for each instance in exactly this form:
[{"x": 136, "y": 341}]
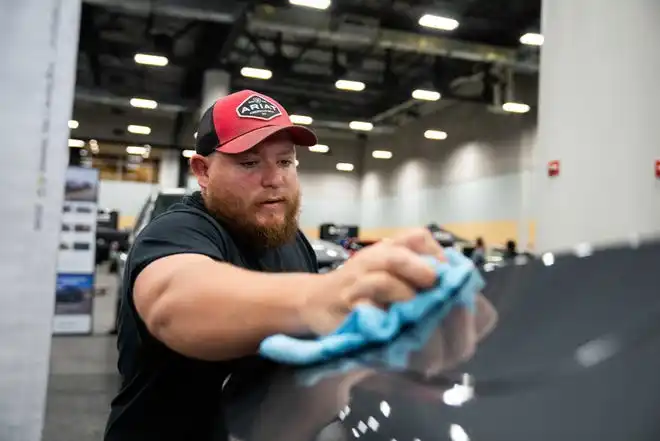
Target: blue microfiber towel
[{"x": 458, "y": 283}]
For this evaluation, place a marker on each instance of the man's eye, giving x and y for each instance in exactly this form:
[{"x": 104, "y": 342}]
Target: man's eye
[
  {"x": 287, "y": 162},
  {"x": 249, "y": 164}
]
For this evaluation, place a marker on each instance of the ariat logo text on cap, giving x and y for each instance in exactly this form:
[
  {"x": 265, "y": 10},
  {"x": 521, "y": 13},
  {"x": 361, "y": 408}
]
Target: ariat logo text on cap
[{"x": 258, "y": 107}]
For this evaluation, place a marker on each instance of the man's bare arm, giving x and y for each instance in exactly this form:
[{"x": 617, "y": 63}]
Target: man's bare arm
[{"x": 211, "y": 310}]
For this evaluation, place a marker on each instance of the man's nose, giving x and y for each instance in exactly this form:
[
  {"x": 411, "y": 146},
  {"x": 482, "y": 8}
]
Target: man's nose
[{"x": 272, "y": 176}]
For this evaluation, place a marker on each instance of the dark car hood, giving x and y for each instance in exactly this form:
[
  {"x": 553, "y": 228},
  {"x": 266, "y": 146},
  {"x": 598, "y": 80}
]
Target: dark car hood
[{"x": 573, "y": 357}]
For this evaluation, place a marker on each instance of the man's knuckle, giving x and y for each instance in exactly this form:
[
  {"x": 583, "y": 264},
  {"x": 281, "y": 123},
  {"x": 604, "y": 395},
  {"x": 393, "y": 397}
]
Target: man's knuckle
[{"x": 395, "y": 259}]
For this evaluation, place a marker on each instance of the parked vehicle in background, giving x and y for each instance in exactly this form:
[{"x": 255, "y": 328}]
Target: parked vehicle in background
[
  {"x": 156, "y": 204},
  {"x": 329, "y": 255}
]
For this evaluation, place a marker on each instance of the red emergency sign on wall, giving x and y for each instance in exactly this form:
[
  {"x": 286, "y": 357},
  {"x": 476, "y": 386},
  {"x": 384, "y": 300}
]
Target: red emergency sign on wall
[
  {"x": 657, "y": 168},
  {"x": 553, "y": 168}
]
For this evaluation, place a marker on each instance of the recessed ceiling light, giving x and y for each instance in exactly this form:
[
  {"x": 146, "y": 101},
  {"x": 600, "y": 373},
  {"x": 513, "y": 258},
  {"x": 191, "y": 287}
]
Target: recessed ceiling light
[
  {"x": 532, "y": 39},
  {"x": 143, "y": 103},
  {"x": 139, "y": 130},
  {"x": 316, "y": 4},
  {"x": 136, "y": 150},
  {"x": 361, "y": 125},
  {"x": 438, "y": 22},
  {"x": 515, "y": 107},
  {"x": 381, "y": 154},
  {"x": 195, "y": 135},
  {"x": 319, "y": 148},
  {"x": 301, "y": 119},
  {"x": 79, "y": 143},
  {"x": 73, "y": 124},
  {"x": 151, "y": 60},
  {"x": 426, "y": 95},
  {"x": 188, "y": 153},
  {"x": 435, "y": 134},
  {"x": 355, "y": 86},
  {"x": 259, "y": 74},
  {"x": 345, "y": 166}
]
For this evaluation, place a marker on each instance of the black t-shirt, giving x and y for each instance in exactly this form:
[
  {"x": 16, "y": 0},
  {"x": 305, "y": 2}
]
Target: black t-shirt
[{"x": 165, "y": 395}]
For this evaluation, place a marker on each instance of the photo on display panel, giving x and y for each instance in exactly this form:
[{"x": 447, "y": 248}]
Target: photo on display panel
[
  {"x": 81, "y": 185},
  {"x": 74, "y": 294}
]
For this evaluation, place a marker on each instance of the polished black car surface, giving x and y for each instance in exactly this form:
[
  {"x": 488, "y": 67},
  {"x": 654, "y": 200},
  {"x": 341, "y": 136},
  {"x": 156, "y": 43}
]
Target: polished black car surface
[{"x": 573, "y": 357}]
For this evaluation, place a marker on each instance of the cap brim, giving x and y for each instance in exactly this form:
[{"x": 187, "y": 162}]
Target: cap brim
[{"x": 300, "y": 135}]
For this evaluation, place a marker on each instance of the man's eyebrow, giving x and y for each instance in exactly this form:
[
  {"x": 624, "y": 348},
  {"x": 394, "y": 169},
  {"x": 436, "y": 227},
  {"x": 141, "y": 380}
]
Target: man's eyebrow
[{"x": 288, "y": 151}]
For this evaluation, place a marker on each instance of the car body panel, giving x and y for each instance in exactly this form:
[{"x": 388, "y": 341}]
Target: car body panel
[{"x": 574, "y": 357}]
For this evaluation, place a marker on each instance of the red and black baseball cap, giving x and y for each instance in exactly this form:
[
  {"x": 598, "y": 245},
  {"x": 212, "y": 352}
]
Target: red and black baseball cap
[{"x": 237, "y": 122}]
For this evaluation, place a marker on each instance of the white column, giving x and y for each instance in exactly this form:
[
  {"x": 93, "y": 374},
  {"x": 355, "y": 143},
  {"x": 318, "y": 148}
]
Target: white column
[
  {"x": 38, "y": 49},
  {"x": 168, "y": 169},
  {"x": 598, "y": 116},
  {"x": 216, "y": 85}
]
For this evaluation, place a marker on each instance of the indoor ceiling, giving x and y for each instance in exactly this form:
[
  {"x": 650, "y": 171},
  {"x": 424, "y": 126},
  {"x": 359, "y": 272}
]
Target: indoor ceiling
[{"x": 379, "y": 43}]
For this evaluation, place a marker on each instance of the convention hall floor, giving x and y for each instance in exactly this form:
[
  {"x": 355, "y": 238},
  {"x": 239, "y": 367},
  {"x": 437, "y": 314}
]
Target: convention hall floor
[{"x": 83, "y": 376}]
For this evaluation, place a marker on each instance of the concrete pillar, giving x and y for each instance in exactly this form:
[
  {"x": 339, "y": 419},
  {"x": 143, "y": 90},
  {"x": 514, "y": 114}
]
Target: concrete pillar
[
  {"x": 168, "y": 169},
  {"x": 38, "y": 49},
  {"x": 216, "y": 85},
  {"x": 598, "y": 117}
]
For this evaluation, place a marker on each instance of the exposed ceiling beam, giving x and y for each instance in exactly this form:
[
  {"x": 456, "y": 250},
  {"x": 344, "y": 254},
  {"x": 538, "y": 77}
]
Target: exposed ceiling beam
[
  {"x": 104, "y": 98},
  {"x": 200, "y": 10},
  {"x": 266, "y": 18},
  {"x": 269, "y": 19}
]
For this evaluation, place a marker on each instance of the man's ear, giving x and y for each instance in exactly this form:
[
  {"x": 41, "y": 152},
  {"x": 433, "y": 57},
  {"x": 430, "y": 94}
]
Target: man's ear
[{"x": 200, "y": 167}]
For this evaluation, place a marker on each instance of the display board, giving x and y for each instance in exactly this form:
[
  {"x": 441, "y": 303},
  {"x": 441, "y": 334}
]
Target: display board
[{"x": 77, "y": 250}]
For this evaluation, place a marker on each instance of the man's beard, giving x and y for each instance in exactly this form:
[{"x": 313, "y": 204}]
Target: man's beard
[{"x": 241, "y": 221}]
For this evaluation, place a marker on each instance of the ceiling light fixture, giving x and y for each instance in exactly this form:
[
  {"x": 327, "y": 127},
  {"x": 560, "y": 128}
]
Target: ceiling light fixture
[
  {"x": 315, "y": 4},
  {"x": 438, "y": 22},
  {"x": 381, "y": 154},
  {"x": 136, "y": 150},
  {"x": 515, "y": 107},
  {"x": 297, "y": 163},
  {"x": 354, "y": 86},
  {"x": 143, "y": 103},
  {"x": 361, "y": 126},
  {"x": 345, "y": 166},
  {"x": 319, "y": 148},
  {"x": 256, "y": 73},
  {"x": 301, "y": 119},
  {"x": 532, "y": 39},
  {"x": 435, "y": 134},
  {"x": 73, "y": 124},
  {"x": 151, "y": 60},
  {"x": 426, "y": 95},
  {"x": 139, "y": 130},
  {"x": 78, "y": 143},
  {"x": 187, "y": 153},
  {"x": 195, "y": 135}
]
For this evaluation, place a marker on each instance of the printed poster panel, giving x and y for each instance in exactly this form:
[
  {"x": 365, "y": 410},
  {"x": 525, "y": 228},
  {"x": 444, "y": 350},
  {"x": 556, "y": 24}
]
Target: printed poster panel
[
  {"x": 77, "y": 253},
  {"x": 74, "y": 297}
]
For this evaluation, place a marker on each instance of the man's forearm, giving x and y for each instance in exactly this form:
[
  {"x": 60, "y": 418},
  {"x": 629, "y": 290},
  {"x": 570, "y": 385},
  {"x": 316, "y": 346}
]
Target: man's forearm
[{"x": 217, "y": 311}]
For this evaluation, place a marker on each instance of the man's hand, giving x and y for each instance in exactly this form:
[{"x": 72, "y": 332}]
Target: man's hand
[{"x": 389, "y": 271}]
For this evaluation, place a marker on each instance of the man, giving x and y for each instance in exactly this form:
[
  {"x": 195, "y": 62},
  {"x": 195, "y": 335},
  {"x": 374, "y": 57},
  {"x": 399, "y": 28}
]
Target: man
[{"x": 209, "y": 279}]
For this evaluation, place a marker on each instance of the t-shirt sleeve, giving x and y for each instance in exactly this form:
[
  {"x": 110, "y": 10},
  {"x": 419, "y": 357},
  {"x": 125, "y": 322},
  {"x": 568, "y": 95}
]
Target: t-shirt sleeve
[{"x": 176, "y": 232}]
